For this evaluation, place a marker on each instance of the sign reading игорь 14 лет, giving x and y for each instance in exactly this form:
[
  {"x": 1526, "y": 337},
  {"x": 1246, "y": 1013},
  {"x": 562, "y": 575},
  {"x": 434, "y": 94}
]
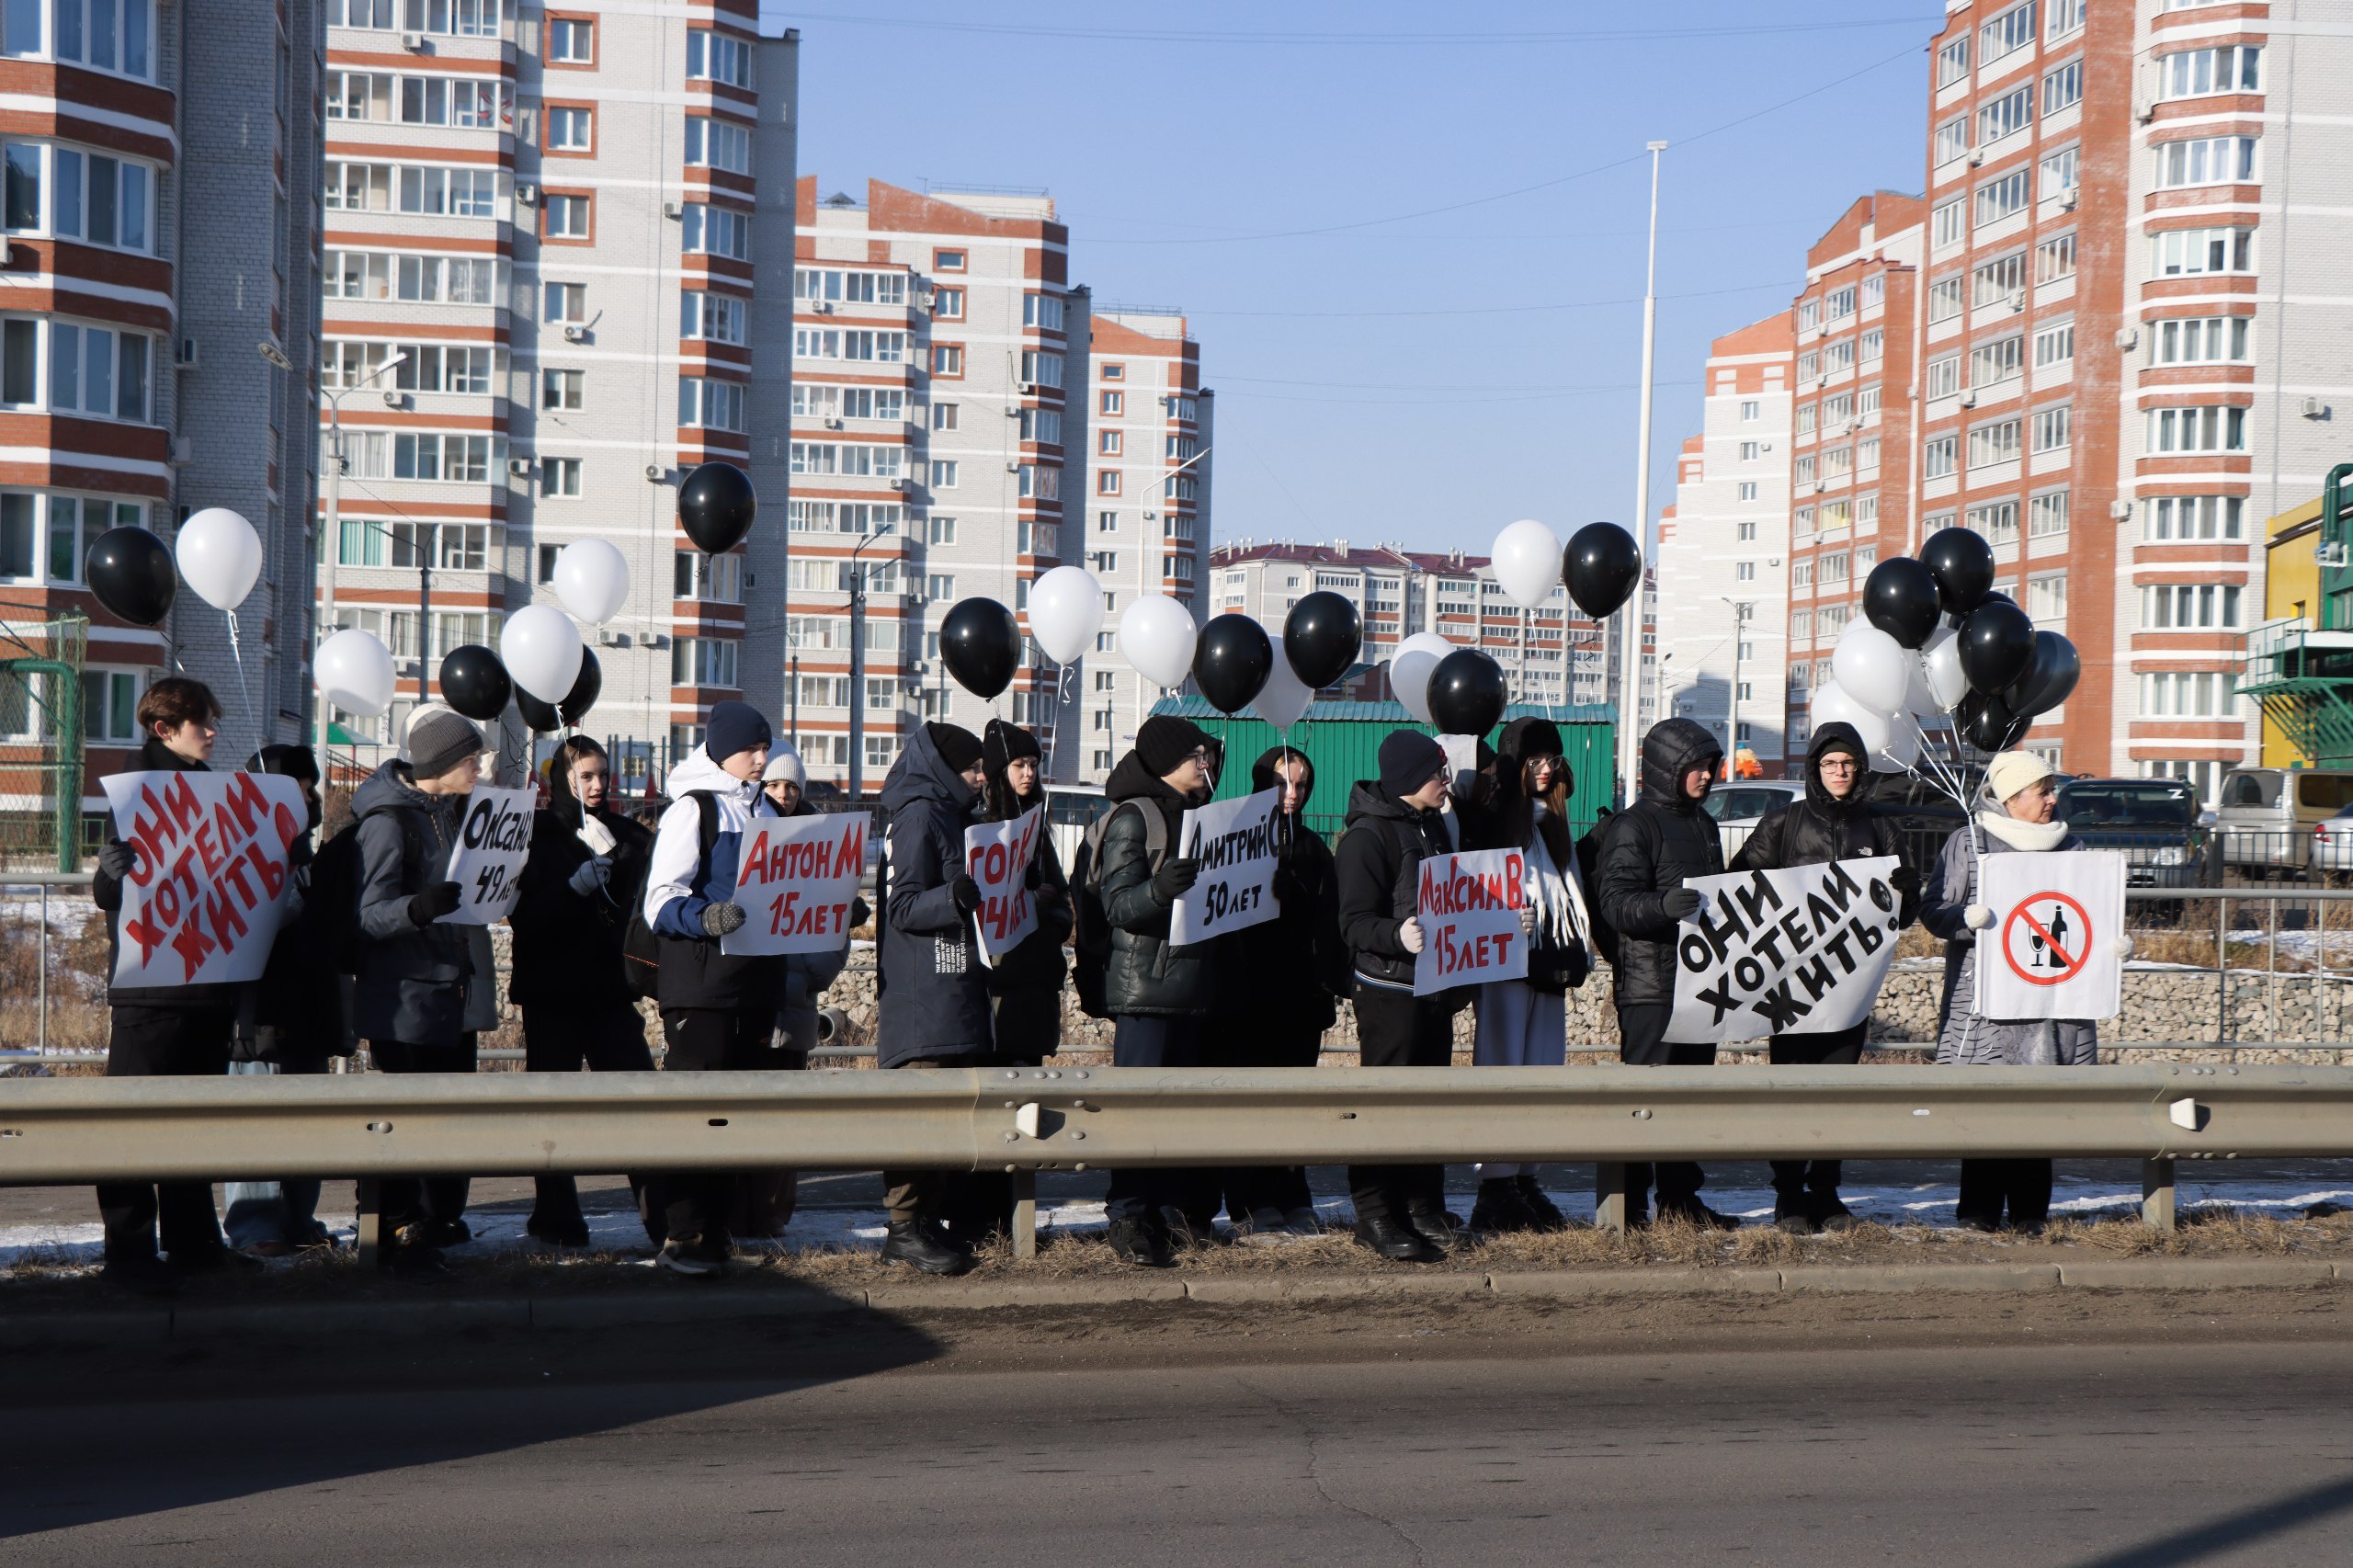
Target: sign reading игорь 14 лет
[{"x": 1797, "y": 952}]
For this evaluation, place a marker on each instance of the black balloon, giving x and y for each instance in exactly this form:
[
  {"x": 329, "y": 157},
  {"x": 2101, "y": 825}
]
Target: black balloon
[
  {"x": 716, "y": 506},
  {"x": 2051, "y": 674},
  {"x": 981, "y": 644},
  {"x": 1962, "y": 564},
  {"x": 1987, "y": 724},
  {"x": 541, "y": 716},
  {"x": 586, "y": 687},
  {"x": 1232, "y": 659},
  {"x": 1466, "y": 693},
  {"x": 1996, "y": 596},
  {"x": 132, "y": 572},
  {"x": 1996, "y": 640},
  {"x": 1322, "y": 637},
  {"x": 1900, "y": 598},
  {"x": 1600, "y": 567},
  {"x": 474, "y": 683}
]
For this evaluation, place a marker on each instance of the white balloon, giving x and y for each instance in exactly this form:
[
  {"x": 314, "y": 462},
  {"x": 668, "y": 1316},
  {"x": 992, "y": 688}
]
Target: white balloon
[
  {"x": 220, "y": 555},
  {"x": 540, "y": 648},
  {"x": 1947, "y": 682},
  {"x": 1283, "y": 700},
  {"x": 592, "y": 579},
  {"x": 354, "y": 672},
  {"x": 1527, "y": 562},
  {"x": 1065, "y": 612},
  {"x": 1157, "y": 635},
  {"x": 1410, "y": 669},
  {"x": 1903, "y": 747},
  {"x": 1872, "y": 667},
  {"x": 1833, "y": 704}
]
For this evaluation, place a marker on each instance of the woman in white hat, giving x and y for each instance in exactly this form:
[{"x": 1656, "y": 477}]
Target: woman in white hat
[{"x": 2021, "y": 792}]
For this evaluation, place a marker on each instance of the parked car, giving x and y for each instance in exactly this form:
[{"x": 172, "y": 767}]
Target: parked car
[
  {"x": 1739, "y": 807},
  {"x": 2333, "y": 841},
  {"x": 2270, "y": 816},
  {"x": 2152, "y": 821},
  {"x": 1924, "y": 815}
]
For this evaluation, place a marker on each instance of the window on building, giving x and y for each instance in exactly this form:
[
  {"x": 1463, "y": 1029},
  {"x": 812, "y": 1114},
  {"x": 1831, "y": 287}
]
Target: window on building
[
  {"x": 1993, "y": 443},
  {"x": 2209, "y": 427},
  {"x": 1938, "y": 455},
  {"x": 943, "y": 473},
  {"x": 2047, "y": 514},
  {"x": 716, "y": 143},
  {"x": 1949, "y": 223},
  {"x": 2050, "y": 427},
  {"x": 947, "y": 359},
  {"x": 1944, "y": 377},
  {"x": 2204, "y": 160},
  {"x": 2054, "y": 346},
  {"x": 713, "y": 56},
  {"x": 565, "y": 217},
  {"x": 1108, "y": 443},
  {"x": 2198, "y": 340},
  {"x": 2063, "y": 89},
  {"x": 2195, "y": 73},
  {"x": 2007, "y": 34},
  {"x": 703, "y": 661},
  {"x": 2055, "y": 258},
  {"x": 1748, "y": 451},
  {"x": 2182, "y": 252},
  {"x": 2061, "y": 172},
  {"x": 944, "y": 416},
  {"x": 2006, "y": 116},
  {"x": 560, "y": 477},
  {"x": 1945, "y": 298},
  {"x": 571, "y": 40},
  {"x": 1953, "y": 139},
  {"x": 1998, "y": 520},
  {"x": 2189, "y": 607},
  {"x": 573, "y": 129},
  {"x": 1747, "y": 492},
  {"x": 711, "y": 403},
  {"x": 2005, "y": 196},
  {"x": 1872, "y": 347},
  {"x": 718, "y": 578},
  {"x": 2183, "y": 518},
  {"x": 2065, "y": 16},
  {"x": 561, "y": 389},
  {"x": 1993, "y": 363},
  {"x": 2188, "y": 694},
  {"x": 708, "y": 229},
  {"x": 1952, "y": 62},
  {"x": 1747, "y": 532}
]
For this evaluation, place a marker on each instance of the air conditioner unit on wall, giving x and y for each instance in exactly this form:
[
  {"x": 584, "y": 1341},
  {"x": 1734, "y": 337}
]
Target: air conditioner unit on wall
[
  {"x": 520, "y": 467},
  {"x": 2312, "y": 408},
  {"x": 575, "y": 333}
]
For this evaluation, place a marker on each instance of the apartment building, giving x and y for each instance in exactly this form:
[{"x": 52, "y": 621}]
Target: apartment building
[
  {"x": 1400, "y": 594},
  {"x": 1724, "y": 578},
  {"x": 157, "y": 314},
  {"x": 1142, "y": 521},
  {"x": 548, "y": 225}
]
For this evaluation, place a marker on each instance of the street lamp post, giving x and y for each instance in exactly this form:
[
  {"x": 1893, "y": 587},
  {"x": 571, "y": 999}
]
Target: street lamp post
[
  {"x": 1731, "y": 718},
  {"x": 1630, "y": 679},
  {"x": 335, "y": 539},
  {"x": 857, "y": 668}
]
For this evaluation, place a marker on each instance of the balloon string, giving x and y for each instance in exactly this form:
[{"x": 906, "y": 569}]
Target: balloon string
[{"x": 237, "y": 657}]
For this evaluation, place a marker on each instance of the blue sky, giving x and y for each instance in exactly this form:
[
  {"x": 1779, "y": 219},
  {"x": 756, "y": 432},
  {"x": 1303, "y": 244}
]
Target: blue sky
[{"x": 1387, "y": 368}]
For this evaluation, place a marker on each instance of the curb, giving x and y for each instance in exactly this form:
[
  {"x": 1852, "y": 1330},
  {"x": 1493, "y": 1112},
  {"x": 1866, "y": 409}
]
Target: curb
[{"x": 157, "y": 1325}]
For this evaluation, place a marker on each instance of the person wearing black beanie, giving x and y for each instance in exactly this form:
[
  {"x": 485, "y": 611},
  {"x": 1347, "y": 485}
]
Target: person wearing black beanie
[{"x": 1156, "y": 994}]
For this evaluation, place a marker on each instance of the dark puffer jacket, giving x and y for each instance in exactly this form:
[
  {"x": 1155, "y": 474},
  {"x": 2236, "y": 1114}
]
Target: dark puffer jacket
[
  {"x": 412, "y": 981},
  {"x": 1028, "y": 982},
  {"x": 935, "y": 991},
  {"x": 106, "y": 892},
  {"x": 1145, "y": 976},
  {"x": 1653, "y": 846},
  {"x": 567, "y": 948},
  {"x": 1379, "y": 865},
  {"x": 1285, "y": 973},
  {"x": 1822, "y": 827}
]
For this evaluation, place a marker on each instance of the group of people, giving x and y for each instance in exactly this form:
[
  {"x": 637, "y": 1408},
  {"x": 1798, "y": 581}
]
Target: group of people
[{"x": 612, "y": 908}]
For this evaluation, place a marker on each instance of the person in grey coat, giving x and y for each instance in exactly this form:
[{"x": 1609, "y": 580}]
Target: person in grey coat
[
  {"x": 420, "y": 993},
  {"x": 2021, "y": 792},
  {"x": 935, "y": 989}
]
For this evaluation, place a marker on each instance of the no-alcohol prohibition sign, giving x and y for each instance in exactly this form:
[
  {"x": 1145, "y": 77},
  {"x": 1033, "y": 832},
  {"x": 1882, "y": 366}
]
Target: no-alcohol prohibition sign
[{"x": 2049, "y": 951}]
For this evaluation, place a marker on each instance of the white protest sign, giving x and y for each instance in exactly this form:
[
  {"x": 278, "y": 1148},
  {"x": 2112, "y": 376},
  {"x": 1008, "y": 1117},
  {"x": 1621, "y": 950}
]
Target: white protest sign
[
  {"x": 2051, "y": 952},
  {"x": 206, "y": 888},
  {"x": 494, "y": 840},
  {"x": 997, "y": 857},
  {"x": 1469, "y": 909},
  {"x": 1796, "y": 951},
  {"x": 1234, "y": 841},
  {"x": 795, "y": 878}
]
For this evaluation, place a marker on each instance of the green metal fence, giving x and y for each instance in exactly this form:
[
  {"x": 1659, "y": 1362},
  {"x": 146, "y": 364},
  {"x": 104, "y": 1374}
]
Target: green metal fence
[{"x": 41, "y": 744}]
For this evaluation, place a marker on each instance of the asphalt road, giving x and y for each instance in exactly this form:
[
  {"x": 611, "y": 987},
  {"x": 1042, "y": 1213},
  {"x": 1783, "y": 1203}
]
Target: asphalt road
[{"x": 1985, "y": 1431}]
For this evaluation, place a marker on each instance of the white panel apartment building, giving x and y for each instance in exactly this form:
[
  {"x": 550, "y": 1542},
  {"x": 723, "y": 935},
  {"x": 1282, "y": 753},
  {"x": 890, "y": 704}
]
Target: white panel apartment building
[
  {"x": 1723, "y": 583},
  {"x": 555, "y": 217}
]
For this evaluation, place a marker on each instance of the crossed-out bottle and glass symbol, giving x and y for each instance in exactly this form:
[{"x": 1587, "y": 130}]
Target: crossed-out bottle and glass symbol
[{"x": 2047, "y": 938}]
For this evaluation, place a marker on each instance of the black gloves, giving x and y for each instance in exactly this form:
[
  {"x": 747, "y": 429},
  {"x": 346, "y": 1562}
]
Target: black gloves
[
  {"x": 718, "y": 919},
  {"x": 861, "y": 911},
  {"x": 966, "y": 892},
  {"x": 1905, "y": 879},
  {"x": 1173, "y": 878},
  {"x": 1679, "y": 904},
  {"x": 440, "y": 899},
  {"x": 116, "y": 859},
  {"x": 1286, "y": 884},
  {"x": 1032, "y": 877}
]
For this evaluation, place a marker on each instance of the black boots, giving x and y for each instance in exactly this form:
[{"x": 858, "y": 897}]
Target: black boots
[
  {"x": 921, "y": 1243},
  {"x": 1399, "y": 1243},
  {"x": 1502, "y": 1207},
  {"x": 1142, "y": 1243}
]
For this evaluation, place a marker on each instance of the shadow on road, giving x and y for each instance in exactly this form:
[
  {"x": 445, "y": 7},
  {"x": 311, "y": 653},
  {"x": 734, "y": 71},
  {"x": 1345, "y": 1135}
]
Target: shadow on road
[{"x": 2249, "y": 1525}]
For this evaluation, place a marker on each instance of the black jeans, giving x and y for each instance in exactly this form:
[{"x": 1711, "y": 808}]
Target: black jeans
[
  {"x": 165, "y": 1042},
  {"x": 407, "y": 1200},
  {"x": 604, "y": 1037},
  {"x": 909, "y": 1196},
  {"x": 1794, "y": 1180},
  {"x": 1157, "y": 1040},
  {"x": 693, "y": 1206},
  {"x": 1987, "y": 1185},
  {"x": 1396, "y": 1028},
  {"x": 1641, "y": 1042},
  {"x": 1257, "y": 1041}
]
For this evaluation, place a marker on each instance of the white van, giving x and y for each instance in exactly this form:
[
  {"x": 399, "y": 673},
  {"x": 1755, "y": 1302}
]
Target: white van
[{"x": 2268, "y": 816}]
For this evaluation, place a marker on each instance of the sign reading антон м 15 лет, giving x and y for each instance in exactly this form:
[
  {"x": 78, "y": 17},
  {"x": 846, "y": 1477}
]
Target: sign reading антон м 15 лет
[{"x": 1795, "y": 952}]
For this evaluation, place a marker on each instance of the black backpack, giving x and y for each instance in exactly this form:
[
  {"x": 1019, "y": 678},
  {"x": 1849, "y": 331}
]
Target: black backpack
[
  {"x": 1091, "y": 929},
  {"x": 336, "y": 878},
  {"x": 640, "y": 948}
]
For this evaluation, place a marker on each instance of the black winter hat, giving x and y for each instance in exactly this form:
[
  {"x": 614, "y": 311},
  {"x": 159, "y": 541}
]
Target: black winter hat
[
  {"x": 1002, "y": 743},
  {"x": 1409, "y": 759},
  {"x": 958, "y": 746},
  {"x": 734, "y": 727},
  {"x": 1166, "y": 741}
]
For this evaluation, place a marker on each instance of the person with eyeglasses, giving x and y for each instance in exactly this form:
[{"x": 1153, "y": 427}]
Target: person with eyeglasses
[{"x": 1833, "y": 821}]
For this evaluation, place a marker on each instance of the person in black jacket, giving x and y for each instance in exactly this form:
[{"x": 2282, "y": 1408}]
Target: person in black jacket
[
  {"x": 174, "y": 1031},
  {"x": 1158, "y": 996},
  {"x": 1832, "y": 822},
  {"x": 1277, "y": 988},
  {"x": 1653, "y": 846},
  {"x": 934, "y": 1001},
  {"x": 579, "y": 884},
  {"x": 290, "y": 1021},
  {"x": 1393, "y": 825}
]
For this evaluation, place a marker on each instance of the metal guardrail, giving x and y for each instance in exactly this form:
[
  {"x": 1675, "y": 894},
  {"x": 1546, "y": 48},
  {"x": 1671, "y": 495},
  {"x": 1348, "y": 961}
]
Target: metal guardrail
[{"x": 1025, "y": 1120}]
